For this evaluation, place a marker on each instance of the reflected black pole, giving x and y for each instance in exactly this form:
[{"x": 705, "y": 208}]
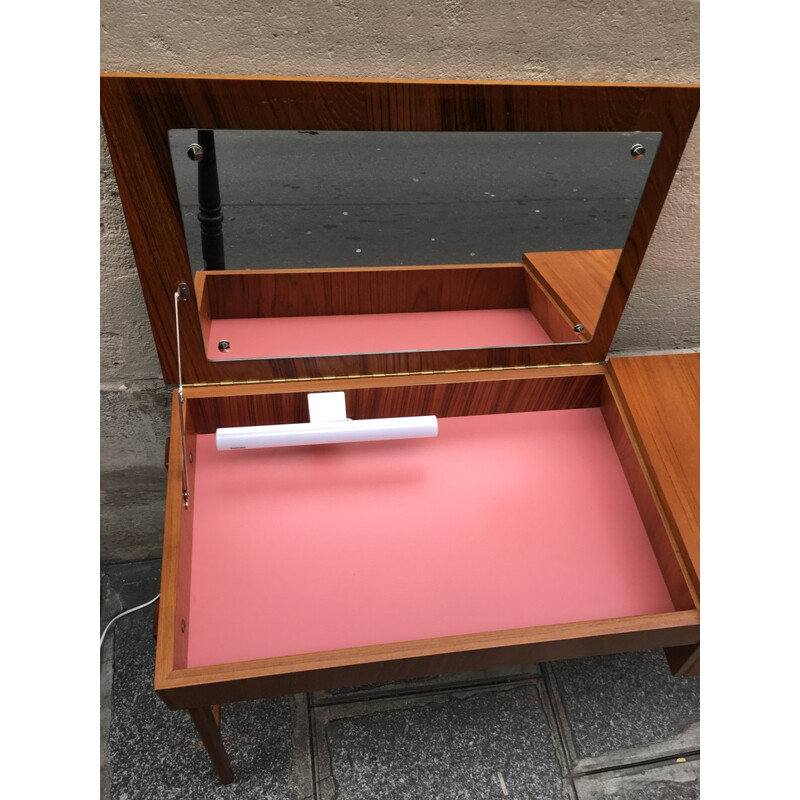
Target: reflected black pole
[{"x": 210, "y": 214}]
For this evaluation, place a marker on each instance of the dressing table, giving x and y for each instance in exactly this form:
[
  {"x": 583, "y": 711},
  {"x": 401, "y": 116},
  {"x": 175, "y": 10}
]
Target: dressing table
[{"x": 555, "y": 515}]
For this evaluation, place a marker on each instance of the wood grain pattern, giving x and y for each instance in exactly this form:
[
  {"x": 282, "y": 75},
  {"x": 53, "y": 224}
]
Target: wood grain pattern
[
  {"x": 399, "y": 661},
  {"x": 661, "y": 539},
  {"x": 660, "y": 396},
  {"x": 480, "y": 393},
  {"x": 577, "y": 281},
  {"x": 318, "y": 292},
  {"x": 139, "y": 110},
  {"x": 203, "y": 301},
  {"x": 207, "y": 724},
  {"x": 558, "y": 326},
  {"x": 168, "y": 601}
]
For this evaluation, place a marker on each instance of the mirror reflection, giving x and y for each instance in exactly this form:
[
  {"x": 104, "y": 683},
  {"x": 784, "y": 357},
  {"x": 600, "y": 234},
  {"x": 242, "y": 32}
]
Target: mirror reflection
[{"x": 554, "y": 209}]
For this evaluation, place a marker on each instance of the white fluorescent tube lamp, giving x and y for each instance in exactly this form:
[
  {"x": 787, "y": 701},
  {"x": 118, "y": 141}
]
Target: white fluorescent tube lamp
[{"x": 329, "y": 425}]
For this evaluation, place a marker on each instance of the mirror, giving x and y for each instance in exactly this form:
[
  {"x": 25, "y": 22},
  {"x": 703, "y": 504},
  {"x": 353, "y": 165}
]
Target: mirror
[
  {"x": 549, "y": 211},
  {"x": 140, "y": 110}
]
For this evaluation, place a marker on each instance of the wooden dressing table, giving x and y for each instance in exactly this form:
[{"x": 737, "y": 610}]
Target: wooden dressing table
[{"x": 555, "y": 516}]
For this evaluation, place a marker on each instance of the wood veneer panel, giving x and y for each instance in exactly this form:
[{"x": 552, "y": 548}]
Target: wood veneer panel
[
  {"x": 139, "y": 110},
  {"x": 559, "y": 327},
  {"x": 384, "y": 397},
  {"x": 661, "y": 398},
  {"x": 321, "y": 292},
  {"x": 402, "y": 660},
  {"x": 577, "y": 281},
  {"x": 171, "y": 557},
  {"x": 661, "y": 539},
  {"x": 203, "y": 303}
]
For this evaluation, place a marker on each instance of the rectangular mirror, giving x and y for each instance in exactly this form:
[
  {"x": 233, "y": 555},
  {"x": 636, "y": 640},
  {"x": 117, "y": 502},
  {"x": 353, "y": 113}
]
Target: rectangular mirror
[
  {"x": 573, "y": 287},
  {"x": 519, "y": 234}
]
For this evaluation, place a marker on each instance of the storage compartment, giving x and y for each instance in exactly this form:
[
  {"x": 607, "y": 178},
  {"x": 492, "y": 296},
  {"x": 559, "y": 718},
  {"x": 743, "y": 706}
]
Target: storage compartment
[
  {"x": 554, "y": 515},
  {"x": 299, "y": 313},
  {"x": 527, "y": 511}
]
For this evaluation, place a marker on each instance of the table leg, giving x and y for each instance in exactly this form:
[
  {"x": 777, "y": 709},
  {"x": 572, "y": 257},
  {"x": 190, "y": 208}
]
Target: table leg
[
  {"x": 208, "y": 726},
  {"x": 684, "y": 661}
]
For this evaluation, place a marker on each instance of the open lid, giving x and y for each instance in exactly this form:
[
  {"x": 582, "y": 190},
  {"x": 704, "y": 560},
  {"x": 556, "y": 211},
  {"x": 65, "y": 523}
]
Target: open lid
[{"x": 307, "y": 296}]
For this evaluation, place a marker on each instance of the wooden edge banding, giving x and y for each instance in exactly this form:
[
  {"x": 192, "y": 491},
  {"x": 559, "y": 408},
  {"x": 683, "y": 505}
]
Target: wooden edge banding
[
  {"x": 414, "y": 81},
  {"x": 676, "y": 576},
  {"x": 202, "y": 292},
  {"x": 184, "y": 577},
  {"x": 165, "y": 640},
  {"x": 172, "y": 639},
  {"x": 381, "y": 381},
  {"x": 318, "y": 671}
]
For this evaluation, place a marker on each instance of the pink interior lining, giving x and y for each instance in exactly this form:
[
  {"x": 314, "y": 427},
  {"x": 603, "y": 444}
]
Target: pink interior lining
[
  {"x": 284, "y": 337},
  {"x": 502, "y": 521}
]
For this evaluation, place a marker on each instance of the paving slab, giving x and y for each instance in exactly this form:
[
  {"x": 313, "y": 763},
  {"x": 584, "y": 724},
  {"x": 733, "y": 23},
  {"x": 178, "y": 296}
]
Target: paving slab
[
  {"x": 484, "y": 743},
  {"x": 624, "y": 709},
  {"x": 124, "y": 586},
  {"x": 432, "y": 683},
  {"x": 157, "y": 754},
  {"x": 673, "y": 781}
]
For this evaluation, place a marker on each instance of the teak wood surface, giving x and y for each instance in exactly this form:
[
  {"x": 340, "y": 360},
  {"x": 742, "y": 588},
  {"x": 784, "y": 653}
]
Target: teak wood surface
[
  {"x": 242, "y": 294},
  {"x": 661, "y": 397},
  {"x": 577, "y": 281},
  {"x": 139, "y": 110},
  {"x": 456, "y": 394}
]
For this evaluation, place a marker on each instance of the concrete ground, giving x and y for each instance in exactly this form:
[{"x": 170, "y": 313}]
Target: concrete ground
[{"x": 618, "y": 727}]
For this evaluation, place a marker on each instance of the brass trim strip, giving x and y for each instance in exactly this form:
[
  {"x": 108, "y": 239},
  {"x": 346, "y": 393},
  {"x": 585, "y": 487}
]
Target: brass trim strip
[{"x": 469, "y": 371}]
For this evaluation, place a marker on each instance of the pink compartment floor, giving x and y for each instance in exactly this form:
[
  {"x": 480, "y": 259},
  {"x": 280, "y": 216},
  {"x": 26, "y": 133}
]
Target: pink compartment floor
[
  {"x": 502, "y": 521},
  {"x": 284, "y": 337}
]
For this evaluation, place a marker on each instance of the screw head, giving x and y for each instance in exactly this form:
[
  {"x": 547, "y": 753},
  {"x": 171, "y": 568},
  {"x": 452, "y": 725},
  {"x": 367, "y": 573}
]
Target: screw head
[
  {"x": 637, "y": 151},
  {"x": 578, "y": 328},
  {"x": 224, "y": 346},
  {"x": 195, "y": 152}
]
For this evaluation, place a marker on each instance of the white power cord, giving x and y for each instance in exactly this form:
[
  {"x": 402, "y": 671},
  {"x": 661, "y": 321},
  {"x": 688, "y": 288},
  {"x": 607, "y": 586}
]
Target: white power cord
[{"x": 129, "y": 611}]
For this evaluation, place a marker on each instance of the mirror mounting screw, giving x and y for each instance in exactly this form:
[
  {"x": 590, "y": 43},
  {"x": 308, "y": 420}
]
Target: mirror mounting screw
[{"x": 195, "y": 152}]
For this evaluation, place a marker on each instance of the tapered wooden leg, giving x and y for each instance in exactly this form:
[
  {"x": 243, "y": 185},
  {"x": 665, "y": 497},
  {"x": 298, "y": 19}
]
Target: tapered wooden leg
[
  {"x": 207, "y": 723},
  {"x": 684, "y": 661}
]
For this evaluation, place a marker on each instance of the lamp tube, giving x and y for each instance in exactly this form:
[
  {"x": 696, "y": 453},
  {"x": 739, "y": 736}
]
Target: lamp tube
[{"x": 305, "y": 433}]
